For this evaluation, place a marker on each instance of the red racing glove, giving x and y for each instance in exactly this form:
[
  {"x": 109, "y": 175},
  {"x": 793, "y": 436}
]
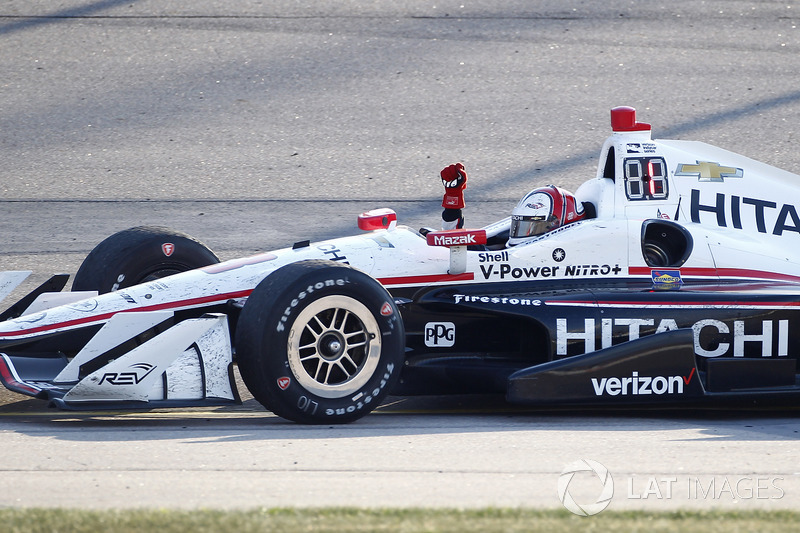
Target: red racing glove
[{"x": 454, "y": 179}]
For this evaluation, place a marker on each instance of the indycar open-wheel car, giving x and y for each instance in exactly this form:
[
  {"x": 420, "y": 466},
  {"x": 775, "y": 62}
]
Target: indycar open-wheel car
[{"x": 678, "y": 286}]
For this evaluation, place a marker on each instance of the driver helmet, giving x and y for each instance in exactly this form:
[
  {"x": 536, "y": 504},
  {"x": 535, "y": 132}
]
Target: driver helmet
[{"x": 542, "y": 210}]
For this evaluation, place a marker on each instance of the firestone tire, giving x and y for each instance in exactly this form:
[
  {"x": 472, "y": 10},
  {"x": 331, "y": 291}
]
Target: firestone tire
[
  {"x": 140, "y": 254},
  {"x": 320, "y": 342}
]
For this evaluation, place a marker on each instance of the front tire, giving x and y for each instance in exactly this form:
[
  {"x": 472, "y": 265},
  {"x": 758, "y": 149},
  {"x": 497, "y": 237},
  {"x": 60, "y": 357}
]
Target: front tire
[
  {"x": 320, "y": 342},
  {"x": 140, "y": 254}
]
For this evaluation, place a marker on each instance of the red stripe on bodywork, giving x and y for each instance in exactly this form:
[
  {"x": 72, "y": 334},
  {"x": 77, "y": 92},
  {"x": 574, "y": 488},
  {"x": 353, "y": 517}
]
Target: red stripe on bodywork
[
  {"x": 11, "y": 382},
  {"x": 721, "y": 272},
  {"x": 735, "y": 304},
  {"x": 206, "y": 300},
  {"x": 424, "y": 280}
]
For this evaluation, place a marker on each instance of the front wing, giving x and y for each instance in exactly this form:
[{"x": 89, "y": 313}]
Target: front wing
[{"x": 141, "y": 360}]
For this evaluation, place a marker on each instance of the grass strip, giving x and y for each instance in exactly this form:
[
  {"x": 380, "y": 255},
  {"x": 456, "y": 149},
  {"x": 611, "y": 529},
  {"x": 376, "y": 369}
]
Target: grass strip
[{"x": 16, "y": 520}]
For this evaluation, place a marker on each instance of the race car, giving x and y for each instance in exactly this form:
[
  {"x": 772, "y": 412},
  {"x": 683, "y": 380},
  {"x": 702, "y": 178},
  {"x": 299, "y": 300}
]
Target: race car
[{"x": 679, "y": 287}]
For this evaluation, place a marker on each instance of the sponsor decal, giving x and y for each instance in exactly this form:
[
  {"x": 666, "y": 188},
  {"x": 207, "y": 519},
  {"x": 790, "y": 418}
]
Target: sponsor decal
[
  {"x": 666, "y": 278},
  {"x": 332, "y": 252},
  {"x": 440, "y": 334},
  {"x": 506, "y": 271},
  {"x": 707, "y": 171},
  {"x": 283, "y": 382},
  {"x": 132, "y": 377},
  {"x": 454, "y": 240},
  {"x": 641, "y": 148},
  {"x": 117, "y": 284},
  {"x": 640, "y": 385},
  {"x": 456, "y": 237},
  {"x": 362, "y": 399},
  {"x": 302, "y": 295},
  {"x": 84, "y": 306},
  {"x": 168, "y": 248},
  {"x": 386, "y": 309},
  {"x": 744, "y": 213},
  {"x": 712, "y": 338},
  {"x": 497, "y": 257},
  {"x": 502, "y": 300},
  {"x": 158, "y": 286},
  {"x": 559, "y": 255},
  {"x": 645, "y": 178},
  {"x": 127, "y": 297},
  {"x": 451, "y": 200}
]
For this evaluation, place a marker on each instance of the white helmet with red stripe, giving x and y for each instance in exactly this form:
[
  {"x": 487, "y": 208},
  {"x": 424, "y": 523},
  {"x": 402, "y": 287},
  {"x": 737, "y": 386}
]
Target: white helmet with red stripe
[{"x": 542, "y": 210}]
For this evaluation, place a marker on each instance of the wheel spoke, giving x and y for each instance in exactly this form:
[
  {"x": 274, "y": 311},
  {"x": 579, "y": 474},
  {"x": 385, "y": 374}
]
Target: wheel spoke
[
  {"x": 332, "y": 319},
  {"x": 355, "y": 344},
  {"x": 340, "y": 319},
  {"x": 343, "y": 369},
  {"x": 320, "y": 364},
  {"x": 353, "y": 334},
  {"x": 309, "y": 357},
  {"x": 308, "y": 346},
  {"x": 322, "y": 326},
  {"x": 346, "y": 357},
  {"x": 329, "y": 367}
]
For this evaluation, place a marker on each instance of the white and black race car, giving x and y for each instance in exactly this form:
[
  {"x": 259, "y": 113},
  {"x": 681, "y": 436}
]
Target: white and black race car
[{"x": 682, "y": 288}]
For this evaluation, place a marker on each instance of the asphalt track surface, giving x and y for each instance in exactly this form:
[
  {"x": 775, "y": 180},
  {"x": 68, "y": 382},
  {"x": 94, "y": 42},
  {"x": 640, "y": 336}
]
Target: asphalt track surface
[{"x": 253, "y": 125}]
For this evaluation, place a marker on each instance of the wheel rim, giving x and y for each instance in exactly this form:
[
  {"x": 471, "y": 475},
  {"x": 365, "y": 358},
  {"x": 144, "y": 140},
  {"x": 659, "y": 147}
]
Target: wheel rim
[
  {"x": 162, "y": 273},
  {"x": 334, "y": 346}
]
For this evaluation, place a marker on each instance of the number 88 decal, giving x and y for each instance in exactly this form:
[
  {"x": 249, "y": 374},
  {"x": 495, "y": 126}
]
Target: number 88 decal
[{"x": 645, "y": 178}]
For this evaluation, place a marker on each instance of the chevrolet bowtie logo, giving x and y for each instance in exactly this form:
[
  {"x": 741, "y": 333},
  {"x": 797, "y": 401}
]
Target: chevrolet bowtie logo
[{"x": 705, "y": 171}]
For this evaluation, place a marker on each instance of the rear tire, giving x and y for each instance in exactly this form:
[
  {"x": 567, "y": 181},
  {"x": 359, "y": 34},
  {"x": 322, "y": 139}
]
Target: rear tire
[
  {"x": 320, "y": 342},
  {"x": 140, "y": 254}
]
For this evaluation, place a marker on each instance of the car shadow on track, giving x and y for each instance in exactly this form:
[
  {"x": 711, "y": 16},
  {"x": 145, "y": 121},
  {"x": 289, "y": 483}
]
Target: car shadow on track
[{"x": 398, "y": 416}]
